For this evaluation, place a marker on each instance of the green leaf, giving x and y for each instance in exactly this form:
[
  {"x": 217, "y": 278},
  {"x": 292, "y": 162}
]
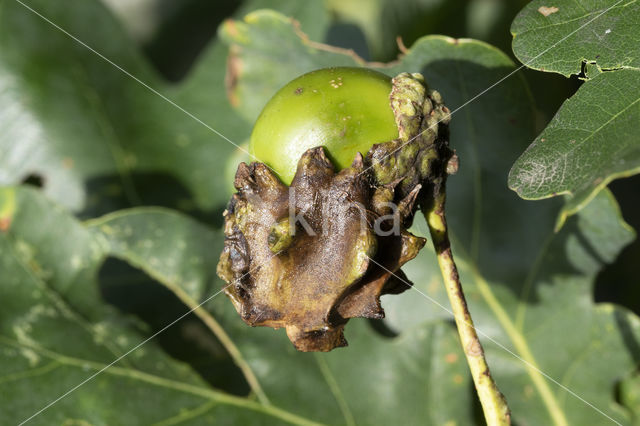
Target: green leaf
[
  {"x": 313, "y": 16},
  {"x": 533, "y": 306},
  {"x": 177, "y": 252},
  {"x": 630, "y": 396},
  {"x": 591, "y": 141},
  {"x": 176, "y": 249},
  {"x": 529, "y": 288},
  {"x": 560, "y": 36},
  {"x": 56, "y": 332},
  {"x": 554, "y": 308}
]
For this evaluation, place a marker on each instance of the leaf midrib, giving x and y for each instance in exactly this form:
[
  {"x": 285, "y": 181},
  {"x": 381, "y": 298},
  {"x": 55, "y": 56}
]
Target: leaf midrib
[
  {"x": 136, "y": 261},
  {"x": 325, "y": 370},
  {"x": 88, "y": 327},
  {"x": 186, "y": 415},
  {"x": 208, "y": 320}
]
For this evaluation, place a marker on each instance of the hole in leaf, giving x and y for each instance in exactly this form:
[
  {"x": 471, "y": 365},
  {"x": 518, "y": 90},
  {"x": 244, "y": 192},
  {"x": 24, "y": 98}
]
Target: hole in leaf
[{"x": 34, "y": 179}]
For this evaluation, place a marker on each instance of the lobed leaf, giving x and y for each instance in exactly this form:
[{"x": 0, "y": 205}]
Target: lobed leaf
[
  {"x": 592, "y": 140},
  {"x": 593, "y": 137},
  {"x": 562, "y": 35}
]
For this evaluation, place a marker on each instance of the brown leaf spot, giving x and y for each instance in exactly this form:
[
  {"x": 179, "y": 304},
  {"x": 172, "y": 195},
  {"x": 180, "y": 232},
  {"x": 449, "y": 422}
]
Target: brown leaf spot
[
  {"x": 450, "y": 358},
  {"x": 458, "y": 379},
  {"x": 67, "y": 162},
  {"x": 528, "y": 391},
  {"x": 546, "y": 11},
  {"x": 232, "y": 29},
  {"x": 5, "y": 223}
]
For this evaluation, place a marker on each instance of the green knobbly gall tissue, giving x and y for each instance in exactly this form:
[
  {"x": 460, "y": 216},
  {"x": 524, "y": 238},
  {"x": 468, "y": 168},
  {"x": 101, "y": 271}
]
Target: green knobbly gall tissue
[
  {"x": 422, "y": 150},
  {"x": 317, "y": 230}
]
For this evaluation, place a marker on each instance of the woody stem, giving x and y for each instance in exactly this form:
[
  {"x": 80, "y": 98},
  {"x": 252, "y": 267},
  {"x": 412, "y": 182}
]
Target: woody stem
[{"x": 494, "y": 405}]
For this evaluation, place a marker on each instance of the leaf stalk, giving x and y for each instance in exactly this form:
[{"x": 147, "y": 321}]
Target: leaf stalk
[{"x": 494, "y": 404}]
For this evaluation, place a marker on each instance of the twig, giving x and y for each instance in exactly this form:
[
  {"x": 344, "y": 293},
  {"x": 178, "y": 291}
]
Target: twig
[{"x": 494, "y": 405}]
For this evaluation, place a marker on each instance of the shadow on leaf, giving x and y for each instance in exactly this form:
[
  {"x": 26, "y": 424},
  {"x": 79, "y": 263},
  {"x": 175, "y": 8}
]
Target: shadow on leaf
[{"x": 189, "y": 340}]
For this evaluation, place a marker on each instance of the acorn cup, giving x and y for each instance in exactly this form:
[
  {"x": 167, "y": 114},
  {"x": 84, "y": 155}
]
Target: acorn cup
[{"x": 309, "y": 256}]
